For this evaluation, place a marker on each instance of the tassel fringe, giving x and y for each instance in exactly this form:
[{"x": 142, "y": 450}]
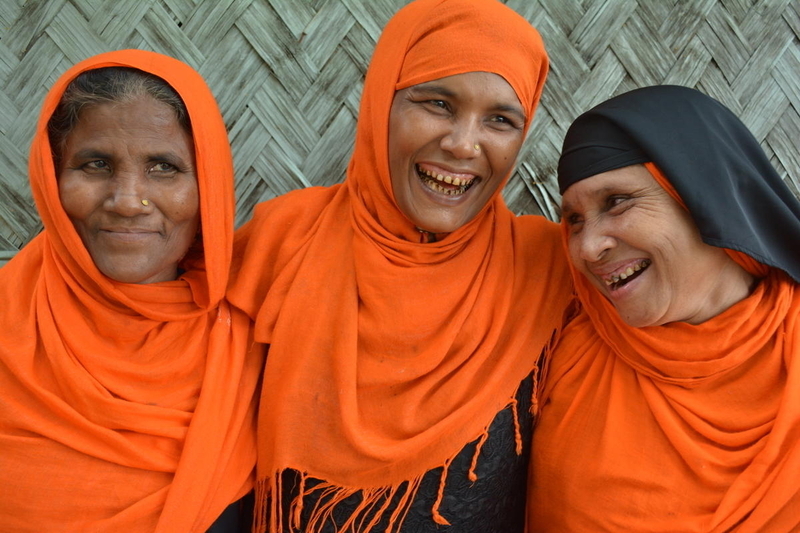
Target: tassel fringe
[{"x": 370, "y": 511}]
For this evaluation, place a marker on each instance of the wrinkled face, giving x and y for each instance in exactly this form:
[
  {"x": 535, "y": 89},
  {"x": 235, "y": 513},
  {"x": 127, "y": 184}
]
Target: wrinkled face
[
  {"x": 115, "y": 157},
  {"x": 643, "y": 252},
  {"x": 452, "y": 141}
]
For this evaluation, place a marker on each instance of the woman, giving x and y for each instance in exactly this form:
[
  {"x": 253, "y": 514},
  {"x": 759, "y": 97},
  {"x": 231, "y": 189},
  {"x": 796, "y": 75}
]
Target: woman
[
  {"x": 407, "y": 307},
  {"x": 672, "y": 398},
  {"x": 128, "y": 382}
]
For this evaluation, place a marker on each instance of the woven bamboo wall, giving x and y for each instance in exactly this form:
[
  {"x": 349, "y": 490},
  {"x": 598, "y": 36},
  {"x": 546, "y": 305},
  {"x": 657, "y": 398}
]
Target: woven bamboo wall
[{"x": 288, "y": 74}]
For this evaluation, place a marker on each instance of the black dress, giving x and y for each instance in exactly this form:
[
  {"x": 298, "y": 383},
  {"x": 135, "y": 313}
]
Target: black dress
[{"x": 236, "y": 518}]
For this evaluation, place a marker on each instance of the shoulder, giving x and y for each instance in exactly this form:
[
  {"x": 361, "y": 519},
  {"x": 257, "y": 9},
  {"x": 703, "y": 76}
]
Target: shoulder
[
  {"x": 540, "y": 238},
  {"x": 295, "y": 205}
]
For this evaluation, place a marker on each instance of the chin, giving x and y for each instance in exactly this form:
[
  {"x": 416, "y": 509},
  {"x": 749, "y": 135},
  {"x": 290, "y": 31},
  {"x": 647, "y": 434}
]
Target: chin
[{"x": 639, "y": 321}]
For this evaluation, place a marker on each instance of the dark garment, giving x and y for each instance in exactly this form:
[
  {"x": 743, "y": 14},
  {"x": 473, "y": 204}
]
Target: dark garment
[
  {"x": 236, "y": 518},
  {"x": 706, "y": 153},
  {"x": 494, "y": 503}
]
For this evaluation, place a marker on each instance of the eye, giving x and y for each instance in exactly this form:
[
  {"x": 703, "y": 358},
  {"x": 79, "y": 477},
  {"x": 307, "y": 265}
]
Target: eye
[
  {"x": 616, "y": 201},
  {"x": 163, "y": 168},
  {"x": 436, "y": 106},
  {"x": 505, "y": 122},
  {"x": 96, "y": 166},
  {"x": 574, "y": 222}
]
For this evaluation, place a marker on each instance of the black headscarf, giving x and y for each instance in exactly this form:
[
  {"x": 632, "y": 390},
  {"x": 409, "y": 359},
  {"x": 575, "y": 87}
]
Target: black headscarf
[{"x": 733, "y": 193}]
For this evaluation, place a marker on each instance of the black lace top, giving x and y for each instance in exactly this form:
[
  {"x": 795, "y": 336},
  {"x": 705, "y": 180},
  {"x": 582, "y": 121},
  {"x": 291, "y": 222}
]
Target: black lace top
[{"x": 494, "y": 503}]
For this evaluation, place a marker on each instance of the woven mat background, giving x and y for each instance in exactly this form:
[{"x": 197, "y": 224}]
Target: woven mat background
[{"x": 288, "y": 74}]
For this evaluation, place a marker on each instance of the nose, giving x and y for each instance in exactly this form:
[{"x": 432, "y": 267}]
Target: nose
[
  {"x": 127, "y": 195},
  {"x": 592, "y": 243},
  {"x": 463, "y": 139}
]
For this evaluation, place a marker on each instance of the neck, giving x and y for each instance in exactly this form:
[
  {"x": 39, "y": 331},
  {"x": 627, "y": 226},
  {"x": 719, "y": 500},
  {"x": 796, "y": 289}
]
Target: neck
[{"x": 734, "y": 284}]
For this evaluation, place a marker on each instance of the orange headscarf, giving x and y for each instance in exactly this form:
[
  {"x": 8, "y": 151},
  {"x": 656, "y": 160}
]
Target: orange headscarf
[
  {"x": 680, "y": 427},
  {"x": 125, "y": 407},
  {"x": 387, "y": 355}
]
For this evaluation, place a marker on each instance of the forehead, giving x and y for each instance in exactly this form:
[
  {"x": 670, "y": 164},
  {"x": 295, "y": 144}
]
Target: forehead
[
  {"x": 135, "y": 119},
  {"x": 596, "y": 188},
  {"x": 139, "y": 109}
]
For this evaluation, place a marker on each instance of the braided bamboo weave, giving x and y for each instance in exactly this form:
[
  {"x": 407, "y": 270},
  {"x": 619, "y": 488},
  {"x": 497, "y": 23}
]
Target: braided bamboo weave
[{"x": 288, "y": 76}]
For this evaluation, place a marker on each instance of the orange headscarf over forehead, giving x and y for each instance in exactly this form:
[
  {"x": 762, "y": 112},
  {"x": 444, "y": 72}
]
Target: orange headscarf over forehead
[
  {"x": 388, "y": 355},
  {"x": 125, "y": 407}
]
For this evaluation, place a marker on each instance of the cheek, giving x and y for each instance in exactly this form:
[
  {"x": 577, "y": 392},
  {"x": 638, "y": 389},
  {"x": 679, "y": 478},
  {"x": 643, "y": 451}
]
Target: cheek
[
  {"x": 573, "y": 249},
  {"x": 504, "y": 150},
  {"x": 187, "y": 205},
  {"x": 77, "y": 197}
]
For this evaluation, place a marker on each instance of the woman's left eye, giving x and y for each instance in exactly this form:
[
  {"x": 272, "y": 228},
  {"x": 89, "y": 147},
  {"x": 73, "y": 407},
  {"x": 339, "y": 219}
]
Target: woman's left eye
[
  {"x": 441, "y": 104},
  {"x": 505, "y": 121},
  {"x": 616, "y": 200},
  {"x": 163, "y": 168}
]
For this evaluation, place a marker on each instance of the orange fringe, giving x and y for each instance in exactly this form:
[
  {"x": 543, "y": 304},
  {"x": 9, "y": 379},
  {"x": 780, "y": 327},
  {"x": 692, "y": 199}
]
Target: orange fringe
[
  {"x": 474, "y": 464},
  {"x": 269, "y": 516},
  {"x": 438, "y": 518}
]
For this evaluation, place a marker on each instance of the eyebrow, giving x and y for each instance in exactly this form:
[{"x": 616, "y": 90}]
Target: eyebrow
[
  {"x": 90, "y": 153},
  {"x": 444, "y": 91}
]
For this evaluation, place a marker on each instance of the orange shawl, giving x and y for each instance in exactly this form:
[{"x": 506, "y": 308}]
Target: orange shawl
[
  {"x": 125, "y": 407},
  {"x": 691, "y": 428},
  {"x": 387, "y": 355}
]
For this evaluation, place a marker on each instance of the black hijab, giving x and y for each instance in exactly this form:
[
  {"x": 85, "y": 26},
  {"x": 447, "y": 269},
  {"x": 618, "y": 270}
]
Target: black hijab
[{"x": 733, "y": 193}]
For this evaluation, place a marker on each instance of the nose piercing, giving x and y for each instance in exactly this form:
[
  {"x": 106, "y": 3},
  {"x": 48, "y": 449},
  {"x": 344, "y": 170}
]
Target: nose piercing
[
  {"x": 145, "y": 201},
  {"x": 477, "y": 147}
]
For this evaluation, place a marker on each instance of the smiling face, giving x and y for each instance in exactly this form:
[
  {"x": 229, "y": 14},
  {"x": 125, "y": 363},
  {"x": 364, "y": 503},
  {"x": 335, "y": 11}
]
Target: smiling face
[
  {"x": 643, "y": 252},
  {"x": 452, "y": 141},
  {"x": 117, "y": 156}
]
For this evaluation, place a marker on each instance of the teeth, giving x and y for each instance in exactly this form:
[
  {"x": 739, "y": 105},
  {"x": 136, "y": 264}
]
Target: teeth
[
  {"x": 458, "y": 182},
  {"x": 628, "y": 273}
]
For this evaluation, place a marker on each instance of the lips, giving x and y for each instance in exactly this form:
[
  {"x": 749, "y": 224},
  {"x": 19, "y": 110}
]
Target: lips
[
  {"x": 447, "y": 182},
  {"x": 621, "y": 276},
  {"x": 130, "y": 235}
]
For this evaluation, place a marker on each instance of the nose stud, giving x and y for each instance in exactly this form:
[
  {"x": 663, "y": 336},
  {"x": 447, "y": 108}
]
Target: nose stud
[
  {"x": 145, "y": 201},
  {"x": 477, "y": 147}
]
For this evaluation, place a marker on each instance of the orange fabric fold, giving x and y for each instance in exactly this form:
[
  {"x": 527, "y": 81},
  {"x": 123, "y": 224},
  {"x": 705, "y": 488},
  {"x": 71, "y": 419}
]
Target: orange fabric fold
[
  {"x": 125, "y": 407},
  {"x": 387, "y": 356},
  {"x": 692, "y": 428}
]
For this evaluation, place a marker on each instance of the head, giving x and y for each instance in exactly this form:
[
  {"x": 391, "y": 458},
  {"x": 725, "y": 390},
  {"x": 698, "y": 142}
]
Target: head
[
  {"x": 445, "y": 129},
  {"x": 653, "y": 211},
  {"x": 453, "y": 143},
  {"x": 640, "y": 249},
  {"x": 125, "y": 164}
]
